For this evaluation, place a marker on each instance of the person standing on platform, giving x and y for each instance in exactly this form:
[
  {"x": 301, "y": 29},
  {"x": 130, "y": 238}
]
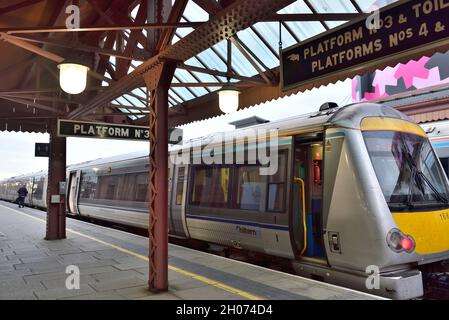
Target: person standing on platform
[{"x": 23, "y": 192}]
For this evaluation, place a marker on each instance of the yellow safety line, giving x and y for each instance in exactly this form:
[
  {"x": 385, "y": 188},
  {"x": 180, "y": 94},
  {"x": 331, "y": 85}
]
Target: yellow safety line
[{"x": 195, "y": 276}]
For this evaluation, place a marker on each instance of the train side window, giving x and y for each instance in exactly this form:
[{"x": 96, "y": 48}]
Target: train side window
[
  {"x": 141, "y": 192},
  {"x": 88, "y": 185},
  {"x": 107, "y": 187},
  {"x": 249, "y": 188},
  {"x": 276, "y": 186},
  {"x": 38, "y": 188},
  {"x": 210, "y": 186},
  {"x": 180, "y": 185},
  {"x": 131, "y": 187}
]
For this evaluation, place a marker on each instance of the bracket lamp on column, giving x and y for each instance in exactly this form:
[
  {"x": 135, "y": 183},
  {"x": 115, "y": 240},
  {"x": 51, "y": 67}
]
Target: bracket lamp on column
[
  {"x": 73, "y": 75},
  {"x": 228, "y": 98},
  {"x": 228, "y": 95}
]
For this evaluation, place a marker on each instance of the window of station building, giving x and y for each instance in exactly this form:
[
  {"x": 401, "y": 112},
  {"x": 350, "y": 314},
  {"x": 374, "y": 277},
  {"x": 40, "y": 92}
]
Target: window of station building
[
  {"x": 210, "y": 186},
  {"x": 180, "y": 185},
  {"x": 250, "y": 186},
  {"x": 277, "y": 186}
]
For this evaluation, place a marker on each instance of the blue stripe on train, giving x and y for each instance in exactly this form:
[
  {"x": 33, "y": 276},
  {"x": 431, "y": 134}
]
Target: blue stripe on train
[
  {"x": 440, "y": 144},
  {"x": 245, "y": 223}
]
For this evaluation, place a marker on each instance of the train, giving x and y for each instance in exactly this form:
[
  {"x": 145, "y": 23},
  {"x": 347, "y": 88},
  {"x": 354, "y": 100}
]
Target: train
[{"x": 359, "y": 198}]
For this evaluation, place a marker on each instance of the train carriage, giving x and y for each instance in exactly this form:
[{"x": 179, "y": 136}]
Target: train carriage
[{"x": 357, "y": 189}]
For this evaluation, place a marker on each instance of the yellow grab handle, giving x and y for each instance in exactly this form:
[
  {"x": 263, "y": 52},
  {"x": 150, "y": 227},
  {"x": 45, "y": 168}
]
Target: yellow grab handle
[{"x": 303, "y": 197}]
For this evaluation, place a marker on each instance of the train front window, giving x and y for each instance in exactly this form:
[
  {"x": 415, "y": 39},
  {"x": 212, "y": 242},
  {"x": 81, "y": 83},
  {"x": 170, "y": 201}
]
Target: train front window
[{"x": 407, "y": 169}]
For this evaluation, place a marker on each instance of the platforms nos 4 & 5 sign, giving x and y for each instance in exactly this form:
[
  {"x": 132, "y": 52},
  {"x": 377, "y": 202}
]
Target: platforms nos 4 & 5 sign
[{"x": 397, "y": 33}]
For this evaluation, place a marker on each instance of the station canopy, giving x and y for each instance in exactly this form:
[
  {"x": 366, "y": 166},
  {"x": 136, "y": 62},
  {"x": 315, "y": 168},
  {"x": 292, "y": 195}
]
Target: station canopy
[{"x": 123, "y": 39}]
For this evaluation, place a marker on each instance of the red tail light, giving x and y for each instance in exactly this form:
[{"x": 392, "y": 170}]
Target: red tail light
[
  {"x": 398, "y": 242},
  {"x": 407, "y": 244}
]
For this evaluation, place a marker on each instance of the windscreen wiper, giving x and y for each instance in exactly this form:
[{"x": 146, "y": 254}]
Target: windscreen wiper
[
  {"x": 438, "y": 196},
  {"x": 419, "y": 177}
]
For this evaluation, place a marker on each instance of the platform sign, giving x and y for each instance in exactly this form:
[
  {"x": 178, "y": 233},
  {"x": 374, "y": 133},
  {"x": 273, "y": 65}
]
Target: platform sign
[
  {"x": 42, "y": 150},
  {"x": 83, "y": 129},
  {"x": 397, "y": 33}
]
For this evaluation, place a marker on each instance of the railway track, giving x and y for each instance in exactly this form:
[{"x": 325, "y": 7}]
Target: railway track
[{"x": 436, "y": 286}]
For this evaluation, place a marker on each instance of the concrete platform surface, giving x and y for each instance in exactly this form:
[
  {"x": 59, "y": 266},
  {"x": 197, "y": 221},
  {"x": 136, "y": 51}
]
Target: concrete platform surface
[{"x": 113, "y": 265}]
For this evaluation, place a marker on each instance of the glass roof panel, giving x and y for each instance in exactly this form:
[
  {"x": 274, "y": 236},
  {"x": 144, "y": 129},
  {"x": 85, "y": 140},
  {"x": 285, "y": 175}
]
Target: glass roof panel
[
  {"x": 175, "y": 95},
  {"x": 270, "y": 32},
  {"x": 183, "y": 93},
  {"x": 239, "y": 63},
  {"x": 203, "y": 77},
  {"x": 249, "y": 38},
  {"x": 265, "y": 49},
  {"x": 195, "y": 13},
  {"x": 175, "y": 39},
  {"x": 141, "y": 92},
  {"x": 370, "y": 5},
  {"x": 123, "y": 110},
  {"x": 185, "y": 77},
  {"x": 171, "y": 101},
  {"x": 212, "y": 61},
  {"x": 182, "y": 32},
  {"x": 136, "y": 102},
  {"x": 303, "y": 29},
  {"x": 336, "y": 6},
  {"x": 306, "y": 29},
  {"x": 123, "y": 102}
]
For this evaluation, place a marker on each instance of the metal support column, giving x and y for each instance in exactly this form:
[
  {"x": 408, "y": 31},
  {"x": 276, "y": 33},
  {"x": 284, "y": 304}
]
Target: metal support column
[
  {"x": 158, "y": 81},
  {"x": 56, "y": 228}
]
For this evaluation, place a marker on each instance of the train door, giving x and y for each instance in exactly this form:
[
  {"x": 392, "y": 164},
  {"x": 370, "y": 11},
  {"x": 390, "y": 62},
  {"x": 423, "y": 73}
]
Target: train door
[
  {"x": 33, "y": 183},
  {"x": 72, "y": 196},
  {"x": 307, "y": 198},
  {"x": 177, "y": 221}
]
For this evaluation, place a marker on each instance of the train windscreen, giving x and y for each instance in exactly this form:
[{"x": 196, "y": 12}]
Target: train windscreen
[{"x": 408, "y": 170}]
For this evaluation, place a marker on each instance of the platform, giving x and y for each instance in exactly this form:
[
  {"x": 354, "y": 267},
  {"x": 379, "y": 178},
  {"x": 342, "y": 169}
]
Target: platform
[{"x": 114, "y": 265}]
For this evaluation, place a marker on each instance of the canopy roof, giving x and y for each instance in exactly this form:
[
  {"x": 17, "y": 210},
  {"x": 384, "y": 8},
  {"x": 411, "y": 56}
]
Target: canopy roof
[{"x": 123, "y": 39}]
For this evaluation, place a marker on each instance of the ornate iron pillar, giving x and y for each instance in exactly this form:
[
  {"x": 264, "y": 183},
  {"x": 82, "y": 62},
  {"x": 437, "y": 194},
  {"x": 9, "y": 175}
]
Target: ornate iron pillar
[
  {"x": 56, "y": 228},
  {"x": 158, "y": 80}
]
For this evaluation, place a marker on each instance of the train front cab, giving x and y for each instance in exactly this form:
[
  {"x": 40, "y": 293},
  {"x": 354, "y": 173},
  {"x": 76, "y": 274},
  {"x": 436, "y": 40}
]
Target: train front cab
[{"x": 369, "y": 221}]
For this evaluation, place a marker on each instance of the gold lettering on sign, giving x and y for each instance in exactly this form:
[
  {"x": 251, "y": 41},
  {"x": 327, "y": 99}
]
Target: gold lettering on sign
[
  {"x": 400, "y": 36},
  {"x": 402, "y": 19},
  {"x": 429, "y": 6},
  {"x": 423, "y": 30},
  {"x": 343, "y": 56},
  {"x": 334, "y": 42},
  {"x": 439, "y": 27}
]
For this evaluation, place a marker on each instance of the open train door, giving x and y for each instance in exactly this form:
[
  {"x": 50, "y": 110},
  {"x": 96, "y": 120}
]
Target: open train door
[
  {"x": 307, "y": 197},
  {"x": 73, "y": 189}
]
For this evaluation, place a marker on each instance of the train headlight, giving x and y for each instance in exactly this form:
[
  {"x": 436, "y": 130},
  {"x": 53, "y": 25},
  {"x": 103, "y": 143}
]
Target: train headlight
[{"x": 398, "y": 242}]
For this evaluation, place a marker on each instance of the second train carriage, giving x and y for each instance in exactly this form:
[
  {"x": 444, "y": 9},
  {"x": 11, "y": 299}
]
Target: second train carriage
[{"x": 356, "y": 187}]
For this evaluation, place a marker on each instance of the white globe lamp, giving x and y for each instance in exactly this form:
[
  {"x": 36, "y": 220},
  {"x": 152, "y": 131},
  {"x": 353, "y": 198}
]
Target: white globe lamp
[
  {"x": 72, "y": 77},
  {"x": 228, "y": 98}
]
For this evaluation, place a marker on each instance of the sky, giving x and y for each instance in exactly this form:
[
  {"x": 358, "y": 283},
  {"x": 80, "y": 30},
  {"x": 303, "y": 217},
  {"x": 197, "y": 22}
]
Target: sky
[{"x": 17, "y": 149}]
